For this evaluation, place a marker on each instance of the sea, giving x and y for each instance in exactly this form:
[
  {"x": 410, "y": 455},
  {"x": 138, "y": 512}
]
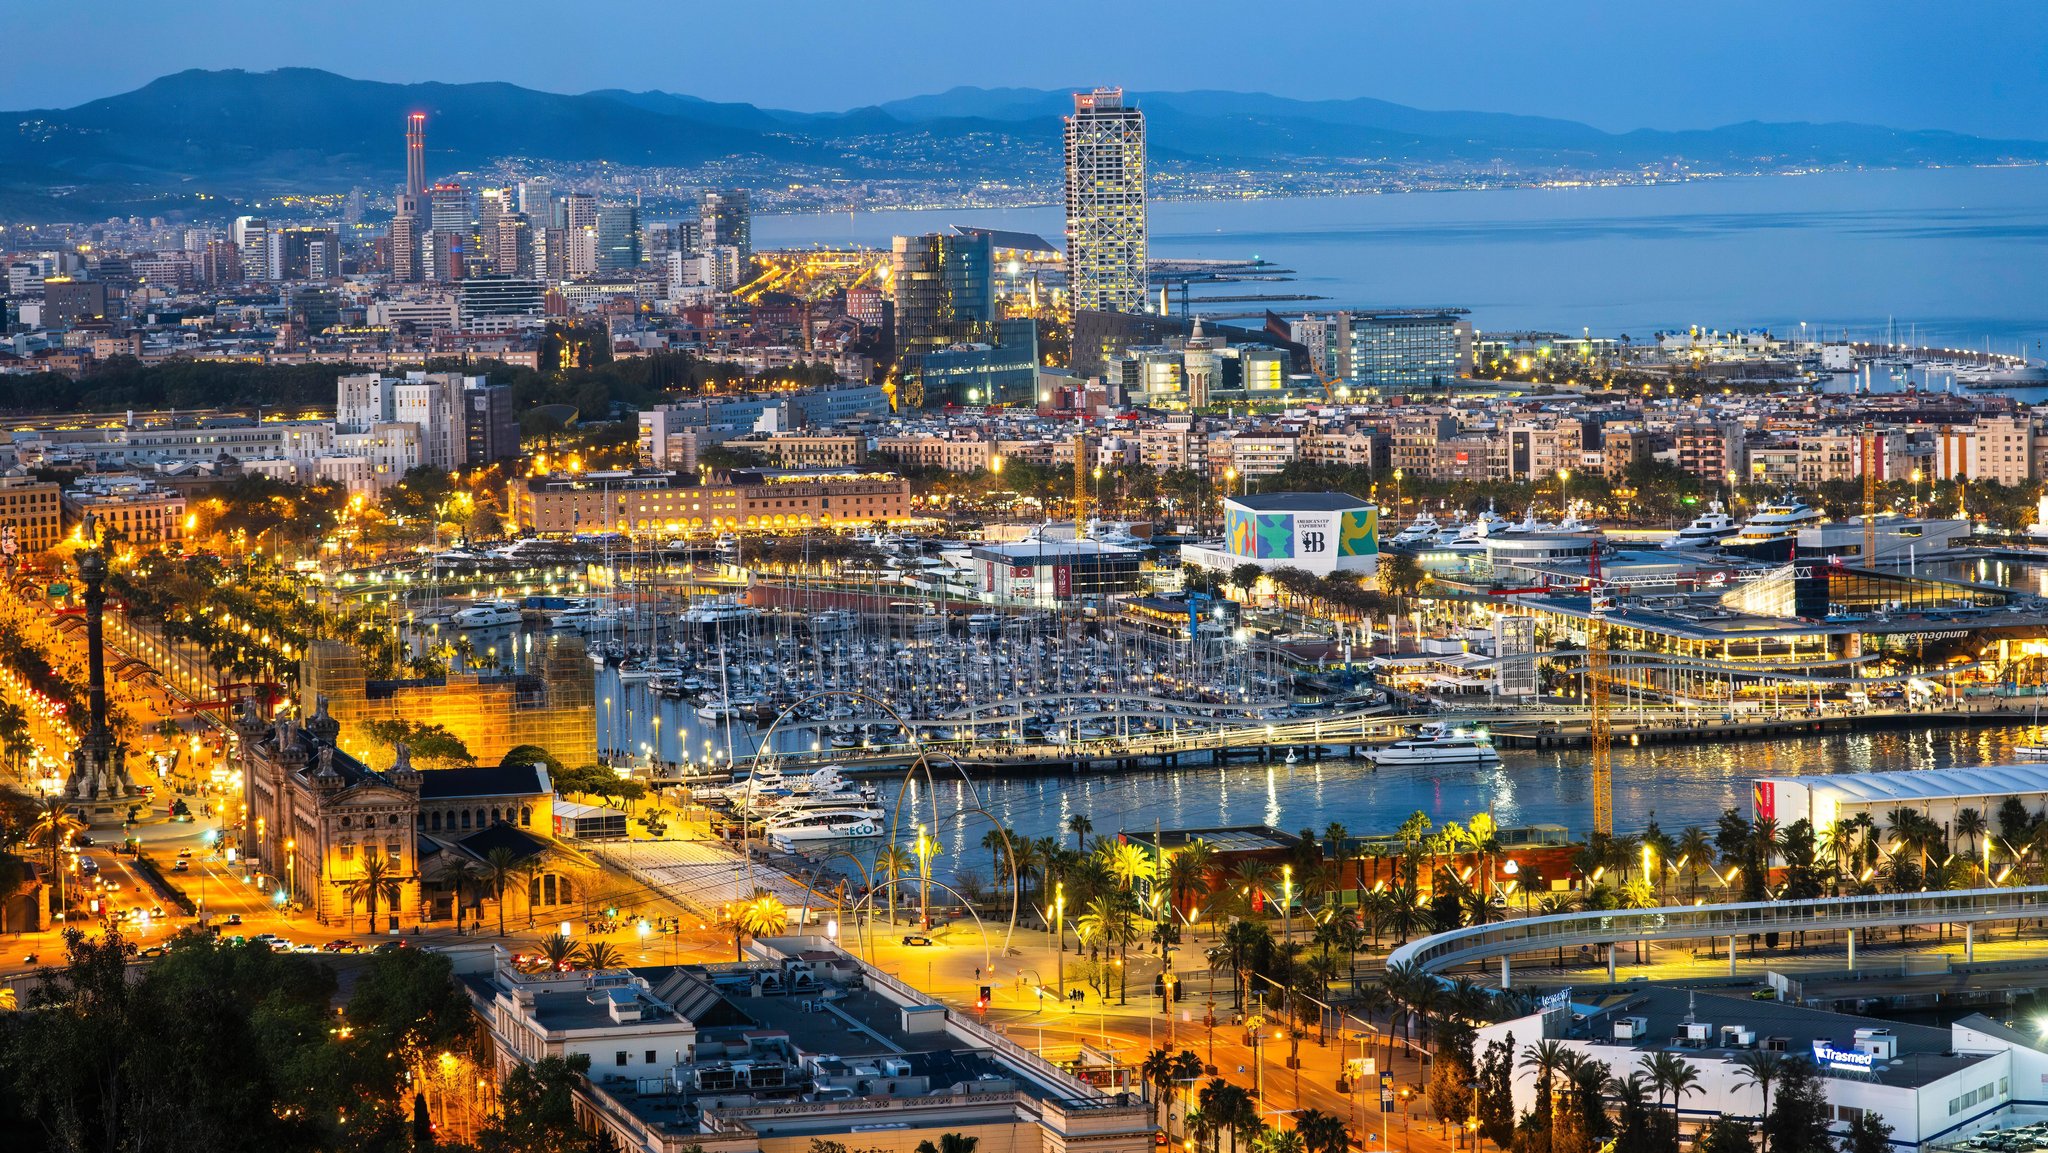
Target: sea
[{"x": 1954, "y": 258}]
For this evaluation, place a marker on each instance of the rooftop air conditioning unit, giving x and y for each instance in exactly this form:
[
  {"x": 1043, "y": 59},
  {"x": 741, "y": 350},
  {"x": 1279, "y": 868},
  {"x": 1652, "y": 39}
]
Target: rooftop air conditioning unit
[
  {"x": 1631, "y": 1028},
  {"x": 1699, "y": 1032}
]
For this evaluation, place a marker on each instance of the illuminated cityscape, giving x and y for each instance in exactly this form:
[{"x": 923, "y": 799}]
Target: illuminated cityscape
[{"x": 546, "y": 613}]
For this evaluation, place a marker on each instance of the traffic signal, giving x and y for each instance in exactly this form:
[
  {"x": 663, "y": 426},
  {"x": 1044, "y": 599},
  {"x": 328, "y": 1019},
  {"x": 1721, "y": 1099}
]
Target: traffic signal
[{"x": 981, "y": 1002}]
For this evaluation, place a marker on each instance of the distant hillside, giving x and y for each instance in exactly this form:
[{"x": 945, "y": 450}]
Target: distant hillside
[{"x": 234, "y": 134}]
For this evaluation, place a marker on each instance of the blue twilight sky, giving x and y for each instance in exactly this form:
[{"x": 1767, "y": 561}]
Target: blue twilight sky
[{"x": 1976, "y": 66}]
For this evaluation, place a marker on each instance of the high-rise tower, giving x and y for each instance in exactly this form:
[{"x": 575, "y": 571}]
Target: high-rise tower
[
  {"x": 416, "y": 154},
  {"x": 726, "y": 220},
  {"x": 1105, "y": 154}
]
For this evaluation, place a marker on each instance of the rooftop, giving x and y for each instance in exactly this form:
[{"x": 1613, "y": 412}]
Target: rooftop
[
  {"x": 1299, "y": 501},
  {"x": 1924, "y": 1055},
  {"x": 1925, "y": 784}
]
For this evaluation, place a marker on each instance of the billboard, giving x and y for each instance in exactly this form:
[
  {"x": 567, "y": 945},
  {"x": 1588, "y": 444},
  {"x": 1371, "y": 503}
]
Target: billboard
[{"x": 1319, "y": 538}]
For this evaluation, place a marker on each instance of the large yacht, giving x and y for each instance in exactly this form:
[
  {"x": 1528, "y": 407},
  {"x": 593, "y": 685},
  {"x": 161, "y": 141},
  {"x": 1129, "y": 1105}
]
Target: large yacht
[
  {"x": 486, "y": 614},
  {"x": 1707, "y": 530},
  {"x": 1421, "y": 531},
  {"x": 823, "y": 825},
  {"x": 1437, "y": 743},
  {"x": 1773, "y": 530}
]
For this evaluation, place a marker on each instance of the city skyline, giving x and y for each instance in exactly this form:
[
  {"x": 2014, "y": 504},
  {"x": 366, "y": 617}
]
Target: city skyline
[{"x": 1978, "y": 70}]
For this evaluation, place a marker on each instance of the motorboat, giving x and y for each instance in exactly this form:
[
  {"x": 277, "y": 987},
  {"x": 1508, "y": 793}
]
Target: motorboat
[
  {"x": 1437, "y": 743},
  {"x": 1707, "y": 530},
  {"x": 824, "y": 825},
  {"x": 486, "y": 614},
  {"x": 832, "y": 622}
]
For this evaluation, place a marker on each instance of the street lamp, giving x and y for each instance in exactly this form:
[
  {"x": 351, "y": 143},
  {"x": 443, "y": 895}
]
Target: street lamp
[
  {"x": 925, "y": 848},
  {"x": 1059, "y": 928},
  {"x": 1287, "y": 904}
]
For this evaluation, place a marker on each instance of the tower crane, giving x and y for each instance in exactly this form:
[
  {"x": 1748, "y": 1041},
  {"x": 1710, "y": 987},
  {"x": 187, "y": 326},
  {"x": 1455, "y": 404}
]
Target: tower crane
[
  {"x": 1599, "y": 732},
  {"x": 1081, "y": 483},
  {"x": 1869, "y": 494}
]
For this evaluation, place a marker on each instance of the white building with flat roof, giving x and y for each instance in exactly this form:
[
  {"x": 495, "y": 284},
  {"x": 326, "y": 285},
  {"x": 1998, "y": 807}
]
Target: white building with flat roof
[{"x": 1319, "y": 532}]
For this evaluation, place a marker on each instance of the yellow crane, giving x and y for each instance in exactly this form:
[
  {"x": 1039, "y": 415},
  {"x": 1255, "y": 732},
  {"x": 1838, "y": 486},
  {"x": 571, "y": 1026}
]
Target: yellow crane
[
  {"x": 1081, "y": 483},
  {"x": 1869, "y": 494},
  {"x": 1599, "y": 731}
]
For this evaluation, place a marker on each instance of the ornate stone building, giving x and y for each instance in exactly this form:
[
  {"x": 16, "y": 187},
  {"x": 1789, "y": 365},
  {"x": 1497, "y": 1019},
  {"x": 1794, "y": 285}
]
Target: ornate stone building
[{"x": 316, "y": 814}]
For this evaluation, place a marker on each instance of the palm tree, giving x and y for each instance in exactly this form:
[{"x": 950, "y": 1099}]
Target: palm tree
[
  {"x": 1158, "y": 1069},
  {"x": 761, "y": 915},
  {"x": 950, "y": 1143},
  {"x": 464, "y": 878},
  {"x": 1761, "y": 1068},
  {"x": 1080, "y": 826},
  {"x": 376, "y": 881},
  {"x": 1274, "y": 1139},
  {"x": 1128, "y": 863},
  {"x": 501, "y": 867},
  {"x": 892, "y": 863},
  {"x": 601, "y": 955},
  {"x": 53, "y": 826},
  {"x": 997, "y": 842},
  {"x": 1673, "y": 1074},
  {"x": 1546, "y": 1059},
  {"x": 1187, "y": 875},
  {"x": 1970, "y": 823},
  {"x": 1322, "y": 1132},
  {"x": 558, "y": 951}
]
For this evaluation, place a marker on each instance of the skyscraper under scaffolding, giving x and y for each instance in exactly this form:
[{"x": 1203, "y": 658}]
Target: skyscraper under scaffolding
[{"x": 1105, "y": 152}]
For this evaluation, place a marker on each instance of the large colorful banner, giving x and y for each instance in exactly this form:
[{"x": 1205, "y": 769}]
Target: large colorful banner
[{"x": 1302, "y": 535}]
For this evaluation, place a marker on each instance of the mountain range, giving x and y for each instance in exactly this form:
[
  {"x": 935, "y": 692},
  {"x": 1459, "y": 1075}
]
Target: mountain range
[{"x": 237, "y": 134}]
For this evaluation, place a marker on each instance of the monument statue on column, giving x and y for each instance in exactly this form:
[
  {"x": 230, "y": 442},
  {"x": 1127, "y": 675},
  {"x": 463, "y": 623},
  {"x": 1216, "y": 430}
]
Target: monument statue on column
[{"x": 99, "y": 765}]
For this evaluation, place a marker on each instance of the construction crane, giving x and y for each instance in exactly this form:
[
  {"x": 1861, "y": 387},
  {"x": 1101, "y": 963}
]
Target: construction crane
[
  {"x": 1081, "y": 483},
  {"x": 1869, "y": 495},
  {"x": 1599, "y": 732}
]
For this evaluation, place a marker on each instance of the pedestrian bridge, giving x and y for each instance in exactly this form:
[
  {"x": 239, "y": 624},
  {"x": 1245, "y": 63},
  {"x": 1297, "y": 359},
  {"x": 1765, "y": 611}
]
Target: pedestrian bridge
[{"x": 1504, "y": 939}]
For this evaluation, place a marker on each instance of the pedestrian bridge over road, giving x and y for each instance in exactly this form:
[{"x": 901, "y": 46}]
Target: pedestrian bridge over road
[{"x": 1505, "y": 939}]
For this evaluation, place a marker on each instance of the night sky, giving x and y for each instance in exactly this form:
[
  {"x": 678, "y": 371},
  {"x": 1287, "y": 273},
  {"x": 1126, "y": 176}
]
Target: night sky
[{"x": 1976, "y": 66}]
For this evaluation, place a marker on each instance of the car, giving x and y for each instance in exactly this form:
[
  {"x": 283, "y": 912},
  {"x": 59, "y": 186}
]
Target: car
[
  {"x": 156, "y": 911},
  {"x": 305, "y": 947},
  {"x": 82, "y": 841},
  {"x": 110, "y": 886},
  {"x": 265, "y": 937},
  {"x": 917, "y": 939},
  {"x": 181, "y": 866},
  {"x": 389, "y": 947},
  {"x": 152, "y": 951},
  {"x": 339, "y": 946},
  {"x": 234, "y": 918}
]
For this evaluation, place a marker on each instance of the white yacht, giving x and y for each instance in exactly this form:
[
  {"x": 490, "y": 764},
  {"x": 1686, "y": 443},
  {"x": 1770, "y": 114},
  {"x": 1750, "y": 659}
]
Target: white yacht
[
  {"x": 824, "y": 825},
  {"x": 718, "y": 611},
  {"x": 1707, "y": 530},
  {"x": 1420, "y": 531},
  {"x": 1773, "y": 527},
  {"x": 1437, "y": 743},
  {"x": 486, "y": 614}
]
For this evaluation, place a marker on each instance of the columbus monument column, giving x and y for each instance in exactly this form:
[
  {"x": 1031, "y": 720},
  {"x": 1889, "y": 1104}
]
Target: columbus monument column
[{"x": 99, "y": 768}]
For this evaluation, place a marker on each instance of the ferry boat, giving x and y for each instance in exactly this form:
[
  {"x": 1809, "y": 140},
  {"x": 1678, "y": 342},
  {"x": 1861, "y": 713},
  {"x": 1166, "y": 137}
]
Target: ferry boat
[
  {"x": 1707, "y": 530},
  {"x": 824, "y": 825},
  {"x": 487, "y": 614},
  {"x": 1437, "y": 743}
]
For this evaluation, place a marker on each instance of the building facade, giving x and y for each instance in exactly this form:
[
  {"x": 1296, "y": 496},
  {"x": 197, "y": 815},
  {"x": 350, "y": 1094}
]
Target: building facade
[{"x": 1105, "y": 170}]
